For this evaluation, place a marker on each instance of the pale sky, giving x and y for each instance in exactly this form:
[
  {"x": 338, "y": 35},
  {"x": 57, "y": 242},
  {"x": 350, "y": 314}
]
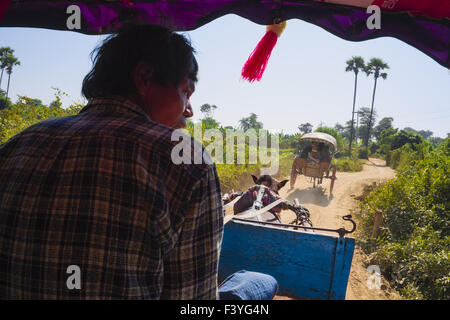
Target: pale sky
[{"x": 305, "y": 80}]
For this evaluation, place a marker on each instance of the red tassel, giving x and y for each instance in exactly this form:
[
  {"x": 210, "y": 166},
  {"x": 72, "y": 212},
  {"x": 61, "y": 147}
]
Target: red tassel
[{"x": 257, "y": 62}]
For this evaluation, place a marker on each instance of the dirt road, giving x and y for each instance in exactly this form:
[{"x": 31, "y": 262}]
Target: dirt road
[{"x": 327, "y": 212}]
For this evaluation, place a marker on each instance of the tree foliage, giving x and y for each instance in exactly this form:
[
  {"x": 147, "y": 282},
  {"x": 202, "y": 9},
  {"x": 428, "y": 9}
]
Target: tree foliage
[
  {"x": 305, "y": 127},
  {"x": 27, "y": 111},
  {"x": 426, "y": 134},
  {"x": 208, "y": 121},
  {"x": 5, "y": 102},
  {"x": 366, "y": 118},
  {"x": 208, "y": 109},
  {"x": 332, "y": 132},
  {"x": 403, "y": 137},
  {"x": 383, "y": 124}
]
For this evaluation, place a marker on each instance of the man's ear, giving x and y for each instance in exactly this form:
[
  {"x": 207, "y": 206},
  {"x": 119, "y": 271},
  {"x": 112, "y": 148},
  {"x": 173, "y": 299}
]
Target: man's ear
[
  {"x": 143, "y": 78},
  {"x": 255, "y": 179},
  {"x": 281, "y": 184}
]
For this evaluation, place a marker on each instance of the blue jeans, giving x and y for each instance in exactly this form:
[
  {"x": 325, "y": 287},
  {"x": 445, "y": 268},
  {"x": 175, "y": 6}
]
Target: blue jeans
[{"x": 248, "y": 285}]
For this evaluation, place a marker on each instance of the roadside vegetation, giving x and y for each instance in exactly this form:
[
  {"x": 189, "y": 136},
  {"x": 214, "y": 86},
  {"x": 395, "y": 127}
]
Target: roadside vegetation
[
  {"x": 412, "y": 247},
  {"x": 15, "y": 117}
]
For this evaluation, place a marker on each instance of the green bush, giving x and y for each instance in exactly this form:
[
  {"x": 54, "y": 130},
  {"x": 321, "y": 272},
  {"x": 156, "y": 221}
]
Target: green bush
[
  {"x": 27, "y": 111},
  {"x": 417, "y": 267},
  {"x": 403, "y": 137},
  {"x": 406, "y": 154},
  {"x": 349, "y": 165},
  {"x": 415, "y": 235},
  {"x": 363, "y": 153}
]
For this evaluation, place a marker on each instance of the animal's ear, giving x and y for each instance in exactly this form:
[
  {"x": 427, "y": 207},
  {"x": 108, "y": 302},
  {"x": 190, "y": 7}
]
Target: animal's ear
[
  {"x": 255, "y": 179},
  {"x": 281, "y": 184}
]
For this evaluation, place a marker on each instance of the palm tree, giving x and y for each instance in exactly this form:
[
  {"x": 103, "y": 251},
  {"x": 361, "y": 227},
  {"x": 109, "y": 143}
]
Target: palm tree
[
  {"x": 244, "y": 124},
  {"x": 11, "y": 61},
  {"x": 374, "y": 67},
  {"x": 4, "y": 52},
  {"x": 355, "y": 64}
]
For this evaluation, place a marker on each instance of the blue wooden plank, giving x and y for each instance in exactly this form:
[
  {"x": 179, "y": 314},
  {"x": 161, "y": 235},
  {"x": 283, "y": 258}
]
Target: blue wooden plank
[
  {"x": 342, "y": 265},
  {"x": 303, "y": 263}
]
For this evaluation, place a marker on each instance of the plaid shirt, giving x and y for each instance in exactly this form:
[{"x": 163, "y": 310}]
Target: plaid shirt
[{"x": 99, "y": 191}]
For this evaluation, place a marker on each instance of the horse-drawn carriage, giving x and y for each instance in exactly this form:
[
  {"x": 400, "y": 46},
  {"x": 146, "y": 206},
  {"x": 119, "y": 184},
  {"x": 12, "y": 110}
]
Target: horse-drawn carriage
[{"x": 315, "y": 159}]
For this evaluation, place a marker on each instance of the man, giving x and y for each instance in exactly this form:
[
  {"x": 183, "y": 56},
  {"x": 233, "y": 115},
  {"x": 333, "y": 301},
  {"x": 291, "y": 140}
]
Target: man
[
  {"x": 308, "y": 153},
  {"x": 92, "y": 207},
  {"x": 325, "y": 158}
]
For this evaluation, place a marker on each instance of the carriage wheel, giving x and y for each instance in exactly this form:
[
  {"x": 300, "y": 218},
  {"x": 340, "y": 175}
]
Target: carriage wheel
[
  {"x": 293, "y": 173},
  {"x": 333, "y": 177}
]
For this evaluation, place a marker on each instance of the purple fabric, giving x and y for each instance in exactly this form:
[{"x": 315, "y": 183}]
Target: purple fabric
[{"x": 430, "y": 35}]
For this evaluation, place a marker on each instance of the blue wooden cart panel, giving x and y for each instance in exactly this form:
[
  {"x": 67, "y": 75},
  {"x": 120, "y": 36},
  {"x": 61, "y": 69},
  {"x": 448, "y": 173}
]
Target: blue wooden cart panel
[{"x": 306, "y": 265}]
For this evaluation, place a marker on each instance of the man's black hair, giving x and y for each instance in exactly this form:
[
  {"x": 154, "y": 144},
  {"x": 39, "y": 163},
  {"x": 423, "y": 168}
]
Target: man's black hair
[{"x": 169, "y": 55}]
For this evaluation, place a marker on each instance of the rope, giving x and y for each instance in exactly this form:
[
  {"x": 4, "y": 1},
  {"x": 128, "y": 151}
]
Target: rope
[{"x": 253, "y": 214}]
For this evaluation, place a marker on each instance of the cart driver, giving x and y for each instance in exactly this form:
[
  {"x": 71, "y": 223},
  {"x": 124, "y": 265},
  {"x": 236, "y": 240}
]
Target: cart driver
[
  {"x": 97, "y": 196},
  {"x": 309, "y": 153},
  {"x": 324, "y": 158},
  {"x": 314, "y": 152}
]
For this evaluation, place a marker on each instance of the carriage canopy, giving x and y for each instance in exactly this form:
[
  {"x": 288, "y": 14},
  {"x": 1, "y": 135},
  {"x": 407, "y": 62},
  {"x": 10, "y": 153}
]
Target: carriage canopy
[
  {"x": 320, "y": 137},
  {"x": 423, "y": 24}
]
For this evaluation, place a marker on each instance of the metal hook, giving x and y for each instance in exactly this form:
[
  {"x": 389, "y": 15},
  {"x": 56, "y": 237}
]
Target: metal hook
[{"x": 342, "y": 230}]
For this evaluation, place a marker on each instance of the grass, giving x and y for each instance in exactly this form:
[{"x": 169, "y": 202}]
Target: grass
[{"x": 349, "y": 165}]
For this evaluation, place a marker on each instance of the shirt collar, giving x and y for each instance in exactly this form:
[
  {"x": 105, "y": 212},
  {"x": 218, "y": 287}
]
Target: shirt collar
[{"x": 115, "y": 103}]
